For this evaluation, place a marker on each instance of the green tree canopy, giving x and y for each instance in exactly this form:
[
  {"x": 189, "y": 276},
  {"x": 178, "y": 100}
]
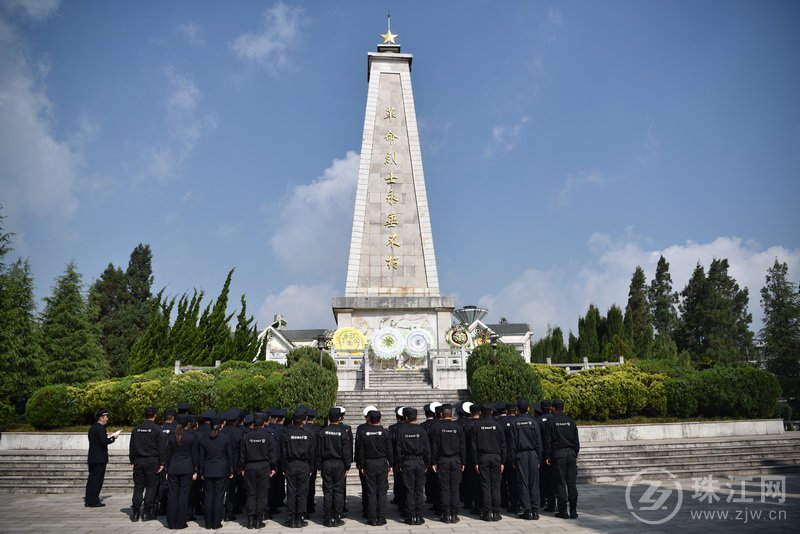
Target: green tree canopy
[
  {"x": 663, "y": 300},
  {"x": 780, "y": 334},
  {"x": 638, "y": 329}
]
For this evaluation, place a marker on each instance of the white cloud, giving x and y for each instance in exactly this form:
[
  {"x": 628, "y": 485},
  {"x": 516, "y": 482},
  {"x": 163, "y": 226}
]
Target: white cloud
[
  {"x": 579, "y": 181},
  {"x": 35, "y": 9},
  {"x": 185, "y": 126},
  {"x": 39, "y": 174},
  {"x": 193, "y": 33},
  {"x": 506, "y": 136},
  {"x": 303, "y": 306},
  {"x": 554, "y": 296},
  {"x": 316, "y": 219},
  {"x": 270, "y": 46}
]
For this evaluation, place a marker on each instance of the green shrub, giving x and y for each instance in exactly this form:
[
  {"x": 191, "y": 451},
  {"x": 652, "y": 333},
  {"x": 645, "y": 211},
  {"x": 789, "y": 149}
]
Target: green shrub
[
  {"x": 783, "y": 411},
  {"x": 681, "y": 398},
  {"x": 507, "y": 383},
  {"x": 194, "y": 387},
  {"x": 52, "y": 407},
  {"x": 139, "y": 396},
  {"x": 268, "y": 367},
  {"x": 246, "y": 390},
  {"x": 310, "y": 354},
  {"x": 680, "y": 366},
  {"x": 233, "y": 365},
  {"x": 7, "y": 414},
  {"x": 109, "y": 394},
  {"x": 483, "y": 355},
  {"x": 158, "y": 373},
  {"x": 736, "y": 391},
  {"x": 550, "y": 373},
  {"x": 309, "y": 384}
]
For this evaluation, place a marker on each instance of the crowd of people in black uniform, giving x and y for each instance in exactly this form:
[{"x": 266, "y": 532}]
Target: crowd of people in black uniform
[{"x": 491, "y": 457}]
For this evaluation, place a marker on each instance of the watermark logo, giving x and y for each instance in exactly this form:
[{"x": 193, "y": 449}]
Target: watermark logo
[{"x": 654, "y": 496}]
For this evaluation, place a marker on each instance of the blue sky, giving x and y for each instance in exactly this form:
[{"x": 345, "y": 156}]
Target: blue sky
[{"x": 564, "y": 143}]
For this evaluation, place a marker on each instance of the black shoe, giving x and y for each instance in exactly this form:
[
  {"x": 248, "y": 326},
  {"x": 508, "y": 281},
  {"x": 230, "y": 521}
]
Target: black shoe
[
  {"x": 301, "y": 523},
  {"x": 445, "y": 518},
  {"x": 550, "y": 509},
  {"x": 535, "y": 516},
  {"x": 420, "y": 520},
  {"x": 562, "y": 515},
  {"x": 327, "y": 522},
  {"x": 260, "y": 521},
  {"x": 409, "y": 520},
  {"x": 485, "y": 515},
  {"x": 95, "y": 505},
  {"x": 337, "y": 521},
  {"x": 527, "y": 515},
  {"x": 136, "y": 516},
  {"x": 573, "y": 513},
  {"x": 251, "y": 522},
  {"x": 496, "y": 516},
  {"x": 454, "y": 518},
  {"x": 381, "y": 521},
  {"x": 291, "y": 523},
  {"x": 373, "y": 522}
]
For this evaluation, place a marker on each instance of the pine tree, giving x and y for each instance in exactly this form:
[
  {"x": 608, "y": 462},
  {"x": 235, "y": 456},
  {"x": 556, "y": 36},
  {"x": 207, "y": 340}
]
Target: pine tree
[
  {"x": 638, "y": 330},
  {"x": 690, "y": 331},
  {"x": 551, "y": 345},
  {"x": 663, "y": 300},
  {"x": 588, "y": 342},
  {"x": 780, "y": 334},
  {"x": 244, "y": 343},
  {"x": 70, "y": 338},
  {"x": 215, "y": 329},
  {"x": 109, "y": 294},
  {"x": 728, "y": 336},
  {"x": 153, "y": 347},
  {"x": 21, "y": 355},
  {"x": 573, "y": 347}
]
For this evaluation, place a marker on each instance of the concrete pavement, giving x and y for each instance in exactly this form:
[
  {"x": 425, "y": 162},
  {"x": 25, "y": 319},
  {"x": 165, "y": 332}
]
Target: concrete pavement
[{"x": 710, "y": 505}]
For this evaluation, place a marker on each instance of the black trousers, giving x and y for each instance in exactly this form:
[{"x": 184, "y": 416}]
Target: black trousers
[
  {"x": 547, "y": 485},
  {"x": 566, "y": 472},
  {"x": 528, "y": 480},
  {"x": 162, "y": 493},
  {"x": 256, "y": 482},
  {"x": 414, "y": 486},
  {"x": 214, "y": 500},
  {"x": 449, "y": 476},
  {"x": 376, "y": 479},
  {"x": 196, "y": 497},
  {"x": 509, "y": 496},
  {"x": 432, "y": 489},
  {"x": 145, "y": 482},
  {"x": 277, "y": 490},
  {"x": 490, "y": 475},
  {"x": 399, "y": 489},
  {"x": 298, "y": 475},
  {"x": 333, "y": 485},
  {"x": 178, "y": 487},
  {"x": 312, "y": 490},
  {"x": 235, "y": 494},
  {"x": 97, "y": 474},
  {"x": 470, "y": 489}
]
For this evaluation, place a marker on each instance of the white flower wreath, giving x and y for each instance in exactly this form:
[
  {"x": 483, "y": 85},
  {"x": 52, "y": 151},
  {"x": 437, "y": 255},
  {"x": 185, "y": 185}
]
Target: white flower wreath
[
  {"x": 387, "y": 343},
  {"x": 418, "y": 342}
]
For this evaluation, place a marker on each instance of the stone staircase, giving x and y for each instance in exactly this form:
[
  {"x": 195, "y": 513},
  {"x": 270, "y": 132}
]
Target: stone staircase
[
  {"x": 390, "y": 388},
  {"x": 64, "y": 471}
]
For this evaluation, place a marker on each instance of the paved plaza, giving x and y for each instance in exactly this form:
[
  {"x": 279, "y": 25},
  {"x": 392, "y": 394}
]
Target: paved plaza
[{"x": 602, "y": 508}]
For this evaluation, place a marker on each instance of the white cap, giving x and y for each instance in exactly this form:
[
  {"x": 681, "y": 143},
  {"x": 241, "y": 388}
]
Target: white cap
[
  {"x": 466, "y": 406},
  {"x": 341, "y": 409},
  {"x": 434, "y": 405},
  {"x": 400, "y": 411},
  {"x": 368, "y": 409}
]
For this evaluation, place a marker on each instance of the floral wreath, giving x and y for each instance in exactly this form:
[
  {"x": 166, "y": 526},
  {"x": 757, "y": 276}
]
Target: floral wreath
[
  {"x": 387, "y": 343},
  {"x": 418, "y": 342},
  {"x": 458, "y": 337},
  {"x": 349, "y": 338}
]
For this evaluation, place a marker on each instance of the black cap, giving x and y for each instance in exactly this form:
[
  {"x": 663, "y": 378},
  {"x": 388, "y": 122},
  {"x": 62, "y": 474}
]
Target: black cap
[
  {"x": 249, "y": 418},
  {"x": 183, "y": 407},
  {"x": 311, "y": 414},
  {"x": 475, "y": 409},
  {"x": 150, "y": 411},
  {"x": 100, "y": 413},
  {"x": 558, "y": 404},
  {"x": 279, "y": 412},
  {"x": 334, "y": 414},
  {"x": 298, "y": 416},
  {"x": 427, "y": 409},
  {"x": 258, "y": 420},
  {"x": 460, "y": 409},
  {"x": 546, "y": 404},
  {"x": 486, "y": 409},
  {"x": 537, "y": 407},
  {"x": 208, "y": 414},
  {"x": 410, "y": 413},
  {"x": 523, "y": 404},
  {"x": 183, "y": 419},
  {"x": 216, "y": 421},
  {"x": 232, "y": 414},
  {"x": 242, "y": 414},
  {"x": 510, "y": 406},
  {"x": 439, "y": 408},
  {"x": 169, "y": 412}
]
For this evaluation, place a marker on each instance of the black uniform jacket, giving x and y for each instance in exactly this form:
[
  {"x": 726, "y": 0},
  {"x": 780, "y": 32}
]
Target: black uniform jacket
[
  {"x": 561, "y": 432},
  {"x": 298, "y": 445},
  {"x": 182, "y": 457},
  {"x": 447, "y": 440},
  {"x": 257, "y": 449},
  {"x": 487, "y": 437},
  {"x": 376, "y": 444},
  {"x": 527, "y": 435},
  {"x": 334, "y": 442},
  {"x": 98, "y": 444},
  {"x": 147, "y": 442},
  {"x": 215, "y": 456},
  {"x": 412, "y": 444}
]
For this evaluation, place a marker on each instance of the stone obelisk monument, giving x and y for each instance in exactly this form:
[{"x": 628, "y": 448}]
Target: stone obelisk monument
[{"x": 391, "y": 273}]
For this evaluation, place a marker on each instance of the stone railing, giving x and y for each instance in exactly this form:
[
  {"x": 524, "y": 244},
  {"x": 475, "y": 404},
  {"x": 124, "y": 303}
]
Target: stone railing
[
  {"x": 180, "y": 369},
  {"x": 448, "y": 368},
  {"x": 575, "y": 367},
  {"x": 352, "y": 369}
]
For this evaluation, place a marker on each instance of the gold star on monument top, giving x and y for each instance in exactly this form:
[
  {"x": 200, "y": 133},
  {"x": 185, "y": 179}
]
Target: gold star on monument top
[{"x": 388, "y": 37}]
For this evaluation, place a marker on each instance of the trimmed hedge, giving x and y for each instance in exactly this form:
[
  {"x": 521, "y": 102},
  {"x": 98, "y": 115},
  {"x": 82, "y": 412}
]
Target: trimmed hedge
[
  {"x": 53, "y": 406},
  {"x": 310, "y": 355},
  {"x": 628, "y": 390},
  {"x": 246, "y": 386},
  {"x": 506, "y": 383},
  {"x": 483, "y": 355}
]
